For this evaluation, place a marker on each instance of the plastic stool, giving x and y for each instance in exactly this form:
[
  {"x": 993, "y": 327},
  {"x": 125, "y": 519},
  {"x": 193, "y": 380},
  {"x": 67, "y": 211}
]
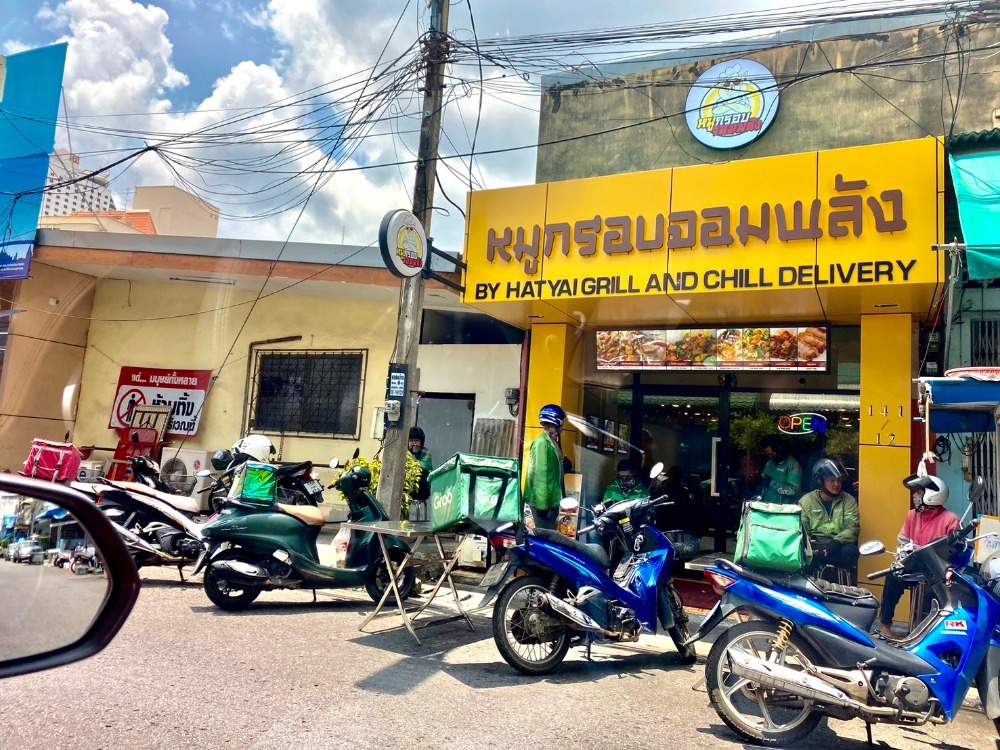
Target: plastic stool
[{"x": 841, "y": 575}]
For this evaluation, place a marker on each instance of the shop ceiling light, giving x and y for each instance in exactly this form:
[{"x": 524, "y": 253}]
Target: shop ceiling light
[
  {"x": 813, "y": 402},
  {"x": 204, "y": 280}
]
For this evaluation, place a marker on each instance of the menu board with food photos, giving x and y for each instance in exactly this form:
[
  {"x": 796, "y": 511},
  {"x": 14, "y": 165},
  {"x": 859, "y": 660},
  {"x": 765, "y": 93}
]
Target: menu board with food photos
[{"x": 756, "y": 348}]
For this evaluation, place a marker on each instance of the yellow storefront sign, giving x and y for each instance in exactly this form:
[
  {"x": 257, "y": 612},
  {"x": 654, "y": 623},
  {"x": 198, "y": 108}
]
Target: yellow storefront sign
[{"x": 845, "y": 218}]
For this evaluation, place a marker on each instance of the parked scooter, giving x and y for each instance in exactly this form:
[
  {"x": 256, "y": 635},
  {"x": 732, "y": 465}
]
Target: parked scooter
[
  {"x": 806, "y": 653},
  {"x": 85, "y": 560},
  {"x": 157, "y": 527},
  {"x": 553, "y": 589},
  {"x": 254, "y": 549}
]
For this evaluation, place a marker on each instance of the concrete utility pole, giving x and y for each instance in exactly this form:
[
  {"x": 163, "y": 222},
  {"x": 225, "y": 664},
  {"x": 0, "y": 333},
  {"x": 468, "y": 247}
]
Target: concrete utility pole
[{"x": 435, "y": 55}]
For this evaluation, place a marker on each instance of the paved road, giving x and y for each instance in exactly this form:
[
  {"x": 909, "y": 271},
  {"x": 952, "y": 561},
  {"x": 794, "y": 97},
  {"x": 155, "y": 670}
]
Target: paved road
[
  {"x": 291, "y": 674},
  {"x": 53, "y": 608}
]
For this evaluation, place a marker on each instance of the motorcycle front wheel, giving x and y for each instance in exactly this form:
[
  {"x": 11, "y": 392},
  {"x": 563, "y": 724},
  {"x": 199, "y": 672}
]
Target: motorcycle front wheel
[
  {"x": 528, "y": 638},
  {"x": 763, "y": 716},
  {"x": 380, "y": 581},
  {"x": 229, "y": 596},
  {"x": 679, "y": 632}
]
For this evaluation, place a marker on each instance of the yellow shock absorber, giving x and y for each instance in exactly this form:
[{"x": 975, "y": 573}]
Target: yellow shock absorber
[{"x": 784, "y": 632}]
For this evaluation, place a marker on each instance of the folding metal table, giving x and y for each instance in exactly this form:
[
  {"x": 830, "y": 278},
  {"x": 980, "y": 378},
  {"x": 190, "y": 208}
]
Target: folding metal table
[{"x": 416, "y": 534}]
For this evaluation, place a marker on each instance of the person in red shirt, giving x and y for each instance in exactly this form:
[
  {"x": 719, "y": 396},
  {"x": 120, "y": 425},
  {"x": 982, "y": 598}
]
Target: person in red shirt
[{"x": 927, "y": 521}]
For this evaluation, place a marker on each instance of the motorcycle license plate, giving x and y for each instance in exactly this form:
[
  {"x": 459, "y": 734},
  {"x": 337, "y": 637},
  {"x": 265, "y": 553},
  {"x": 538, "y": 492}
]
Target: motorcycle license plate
[
  {"x": 494, "y": 575},
  {"x": 313, "y": 487}
]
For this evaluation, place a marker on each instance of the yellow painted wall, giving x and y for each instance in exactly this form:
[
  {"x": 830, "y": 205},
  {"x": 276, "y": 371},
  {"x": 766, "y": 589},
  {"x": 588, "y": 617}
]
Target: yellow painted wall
[
  {"x": 140, "y": 324},
  {"x": 554, "y": 358},
  {"x": 884, "y": 453},
  {"x": 43, "y": 360}
]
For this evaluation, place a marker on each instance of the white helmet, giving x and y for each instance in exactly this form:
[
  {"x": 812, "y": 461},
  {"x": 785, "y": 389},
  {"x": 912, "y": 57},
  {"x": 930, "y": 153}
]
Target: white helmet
[
  {"x": 256, "y": 446},
  {"x": 935, "y": 490}
]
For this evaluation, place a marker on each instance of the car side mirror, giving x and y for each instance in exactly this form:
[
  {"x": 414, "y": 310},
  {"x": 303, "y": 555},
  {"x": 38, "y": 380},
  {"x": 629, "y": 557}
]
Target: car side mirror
[{"x": 53, "y": 616}]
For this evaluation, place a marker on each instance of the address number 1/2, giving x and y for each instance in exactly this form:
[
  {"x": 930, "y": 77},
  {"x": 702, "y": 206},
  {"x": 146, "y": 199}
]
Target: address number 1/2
[{"x": 890, "y": 439}]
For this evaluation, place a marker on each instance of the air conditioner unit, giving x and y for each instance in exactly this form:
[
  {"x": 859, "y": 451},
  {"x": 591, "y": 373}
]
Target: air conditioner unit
[
  {"x": 179, "y": 469},
  {"x": 473, "y": 552},
  {"x": 91, "y": 471}
]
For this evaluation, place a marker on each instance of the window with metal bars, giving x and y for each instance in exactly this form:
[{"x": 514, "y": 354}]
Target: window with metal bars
[
  {"x": 308, "y": 392},
  {"x": 984, "y": 342}
]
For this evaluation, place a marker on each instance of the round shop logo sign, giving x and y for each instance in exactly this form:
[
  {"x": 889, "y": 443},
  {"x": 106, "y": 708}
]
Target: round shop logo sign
[
  {"x": 403, "y": 243},
  {"x": 732, "y": 104}
]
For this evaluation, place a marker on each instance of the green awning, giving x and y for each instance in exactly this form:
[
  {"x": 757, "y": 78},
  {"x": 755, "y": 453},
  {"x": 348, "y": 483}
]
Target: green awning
[{"x": 976, "y": 175}]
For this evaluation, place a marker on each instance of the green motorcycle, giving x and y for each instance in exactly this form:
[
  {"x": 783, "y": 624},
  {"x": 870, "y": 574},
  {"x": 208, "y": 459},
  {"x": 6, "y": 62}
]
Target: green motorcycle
[{"x": 254, "y": 548}]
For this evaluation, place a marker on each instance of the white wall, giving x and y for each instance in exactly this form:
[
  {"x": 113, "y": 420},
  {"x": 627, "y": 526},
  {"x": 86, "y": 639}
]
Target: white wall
[{"x": 486, "y": 370}]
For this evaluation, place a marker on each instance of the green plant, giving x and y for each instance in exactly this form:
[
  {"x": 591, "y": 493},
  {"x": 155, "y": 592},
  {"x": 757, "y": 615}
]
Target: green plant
[
  {"x": 841, "y": 441},
  {"x": 747, "y": 431},
  {"x": 410, "y": 481}
]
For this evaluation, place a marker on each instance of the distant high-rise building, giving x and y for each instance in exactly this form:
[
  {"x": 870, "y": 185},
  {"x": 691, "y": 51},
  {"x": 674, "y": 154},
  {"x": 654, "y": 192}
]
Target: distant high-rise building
[{"x": 90, "y": 194}]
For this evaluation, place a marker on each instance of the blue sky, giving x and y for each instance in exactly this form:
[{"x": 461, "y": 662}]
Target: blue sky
[{"x": 139, "y": 71}]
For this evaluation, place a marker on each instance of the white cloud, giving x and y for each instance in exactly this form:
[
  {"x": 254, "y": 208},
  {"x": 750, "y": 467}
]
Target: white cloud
[{"x": 121, "y": 62}]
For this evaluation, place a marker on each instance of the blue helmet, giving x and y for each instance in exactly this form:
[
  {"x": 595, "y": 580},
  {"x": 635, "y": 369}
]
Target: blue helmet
[{"x": 552, "y": 414}]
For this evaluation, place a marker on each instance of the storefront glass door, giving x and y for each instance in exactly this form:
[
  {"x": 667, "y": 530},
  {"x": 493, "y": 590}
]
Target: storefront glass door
[{"x": 711, "y": 440}]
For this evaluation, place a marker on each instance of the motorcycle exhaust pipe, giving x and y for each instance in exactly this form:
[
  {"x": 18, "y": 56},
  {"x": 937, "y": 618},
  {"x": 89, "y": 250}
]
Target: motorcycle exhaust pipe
[
  {"x": 136, "y": 542},
  {"x": 239, "y": 572},
  {"x": 778, "y": 677},
  {"x": 574, "y": 615}
]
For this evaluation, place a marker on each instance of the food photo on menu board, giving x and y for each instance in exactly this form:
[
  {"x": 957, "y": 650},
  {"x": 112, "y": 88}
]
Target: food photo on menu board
[
  {"x": 750, "y": 348},
  {"x": 631, "y": 350}
]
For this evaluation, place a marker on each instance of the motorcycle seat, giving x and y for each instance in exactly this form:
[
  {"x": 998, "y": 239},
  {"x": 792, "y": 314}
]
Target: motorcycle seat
[
  {"x": 182, "y": 503},
  {"x": 308, "y": 514},
  {"x": 593, "y": 552},
  {"x": 834, "y": 592}
]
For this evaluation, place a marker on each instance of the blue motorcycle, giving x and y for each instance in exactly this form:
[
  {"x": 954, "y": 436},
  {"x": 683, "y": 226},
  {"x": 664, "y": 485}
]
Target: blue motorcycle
[
  {"x": 554, "y": 591},
  {"x": 803, "y": 652}
]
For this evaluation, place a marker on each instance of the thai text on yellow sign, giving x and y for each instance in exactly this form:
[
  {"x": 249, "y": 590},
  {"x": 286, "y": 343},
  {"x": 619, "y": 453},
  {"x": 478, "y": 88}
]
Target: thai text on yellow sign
[{"x": 842, "y": 218}]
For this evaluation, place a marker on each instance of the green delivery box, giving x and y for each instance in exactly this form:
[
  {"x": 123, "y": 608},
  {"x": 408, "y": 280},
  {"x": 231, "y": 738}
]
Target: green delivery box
[
  {"x": 474, "y": 487},
  {"x": 255, "y": 484}
]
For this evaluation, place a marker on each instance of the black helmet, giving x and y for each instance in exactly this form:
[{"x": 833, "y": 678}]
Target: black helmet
[
  {"x": 827, "y": 468},
  {"x": 417, "y": 434},
  {"x": 221, "y": 460}
]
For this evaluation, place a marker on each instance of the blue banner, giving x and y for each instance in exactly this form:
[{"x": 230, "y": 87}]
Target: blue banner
[{"x": 29, "y": 105}]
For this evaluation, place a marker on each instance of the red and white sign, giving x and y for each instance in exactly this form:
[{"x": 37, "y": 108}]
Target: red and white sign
[{"x": 182, "y": 390}]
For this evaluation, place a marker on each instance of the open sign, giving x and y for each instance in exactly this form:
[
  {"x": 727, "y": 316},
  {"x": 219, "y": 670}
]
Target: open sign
[{"x": 802, "y": 424}]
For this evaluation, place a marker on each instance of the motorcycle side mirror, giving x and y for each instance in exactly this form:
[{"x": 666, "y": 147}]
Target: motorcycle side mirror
[
  {"x": 357, "y": 452},
  {"x": 874, "y": 547},
  {"x": 976, "y": 489},
  {"x": 334, "y": 463},
  {"x": 33, "y": 639},
  {"x": 203, "y": 473},
  {"x": 656, "y": 470}
]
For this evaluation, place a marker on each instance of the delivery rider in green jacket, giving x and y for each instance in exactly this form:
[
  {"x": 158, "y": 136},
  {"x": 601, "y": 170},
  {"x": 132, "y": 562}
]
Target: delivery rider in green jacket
[
  {"x": 625, "y": 486},
  {"x": 831, "y": 519},
  {"x": 543, "y": 486}
]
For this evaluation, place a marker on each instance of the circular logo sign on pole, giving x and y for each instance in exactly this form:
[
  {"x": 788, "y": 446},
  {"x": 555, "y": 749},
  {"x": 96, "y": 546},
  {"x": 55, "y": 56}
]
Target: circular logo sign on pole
[
  {"x": 732, "y": 104},
  {"x": 403, "y": 243}
]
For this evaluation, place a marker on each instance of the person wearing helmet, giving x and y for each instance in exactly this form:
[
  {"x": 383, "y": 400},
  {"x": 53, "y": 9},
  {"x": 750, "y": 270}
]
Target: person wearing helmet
[
  {"x": 783, "y": 474},
  {"x": 543, "y": 486},
  {"x": 831, "y": 519},
  {"x": 422, "y": 455},
  {"x": 257, "y": 447},
  {"x": 415, "y": 444},
  {"x": 625, "y": 486},
  {"x": 927, "y": 521}
]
